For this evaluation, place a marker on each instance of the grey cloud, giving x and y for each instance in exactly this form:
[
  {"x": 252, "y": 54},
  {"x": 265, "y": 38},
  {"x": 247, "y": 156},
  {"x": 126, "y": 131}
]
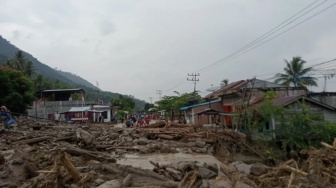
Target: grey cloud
[
  {"x": 106, "y": 27},
  {"x": 155, "y": 44},
  {"x": 16, "y": 34}
]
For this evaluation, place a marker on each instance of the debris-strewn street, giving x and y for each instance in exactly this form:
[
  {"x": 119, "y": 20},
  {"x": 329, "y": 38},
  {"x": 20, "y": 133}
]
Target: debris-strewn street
[{"x": 37, "y": 154}]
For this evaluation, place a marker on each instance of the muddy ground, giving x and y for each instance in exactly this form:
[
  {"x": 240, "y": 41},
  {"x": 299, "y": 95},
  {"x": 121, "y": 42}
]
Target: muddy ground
[{"x": 40, "y": 154}]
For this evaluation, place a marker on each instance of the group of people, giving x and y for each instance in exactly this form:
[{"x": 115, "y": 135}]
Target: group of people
[
  {"x": 137, "y": 120},
  {"x": 6, "y": 118}
]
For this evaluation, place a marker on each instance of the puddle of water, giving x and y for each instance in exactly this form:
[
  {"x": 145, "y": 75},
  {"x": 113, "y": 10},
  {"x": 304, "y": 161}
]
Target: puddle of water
[{"x": 142, "y": 161}]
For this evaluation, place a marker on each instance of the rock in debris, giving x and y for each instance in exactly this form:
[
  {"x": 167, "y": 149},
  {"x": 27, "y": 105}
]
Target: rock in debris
[
  {"x": 206, "y": 173},
  {"x": 200, "y": 143},
  {"x": 211, "y": 166},
  {"x": 111, "y": 184},
  {"x": 222, "y": 182},
  {"x": 259, "y": 169},
  {"x": 165, "y": 149},
  {"x": 143, "y": 141},
  {"x": 240, "y": 184},
  {"x": 190, "y": 144},
  {"x": 241, "y": 167}
]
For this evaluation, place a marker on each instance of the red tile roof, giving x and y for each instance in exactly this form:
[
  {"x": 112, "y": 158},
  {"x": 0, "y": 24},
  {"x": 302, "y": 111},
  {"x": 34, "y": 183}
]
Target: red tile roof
[{"x": 227, "y": 87}]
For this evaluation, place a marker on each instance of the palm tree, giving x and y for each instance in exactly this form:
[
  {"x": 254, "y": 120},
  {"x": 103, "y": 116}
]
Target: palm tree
[
  {"x": 224, "y": 82},
  {"x": 29, "y": 69},
  {"x": 18, "y": 62},
  {"x": 295, "y": 74}
]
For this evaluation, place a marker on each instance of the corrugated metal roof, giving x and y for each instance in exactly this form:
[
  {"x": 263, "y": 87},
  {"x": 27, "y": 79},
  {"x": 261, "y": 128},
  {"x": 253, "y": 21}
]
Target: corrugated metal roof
[
  {"x": 62, "y": 90},
  {"x": 200, "y": 104},
  {"x": 284, "y": 101},
  {"x": 79, "y": 109}
]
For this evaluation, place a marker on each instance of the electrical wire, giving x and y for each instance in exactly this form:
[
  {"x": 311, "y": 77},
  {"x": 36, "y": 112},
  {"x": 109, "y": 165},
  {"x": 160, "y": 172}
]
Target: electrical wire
[
  {"x": 226, "y": 60},
  {"x": 283, "y": 32},
  {"x": 267, "y": 34}
]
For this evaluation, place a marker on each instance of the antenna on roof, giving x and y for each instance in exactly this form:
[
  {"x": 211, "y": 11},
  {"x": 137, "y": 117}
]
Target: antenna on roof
[{"x": 212, "y": 88}]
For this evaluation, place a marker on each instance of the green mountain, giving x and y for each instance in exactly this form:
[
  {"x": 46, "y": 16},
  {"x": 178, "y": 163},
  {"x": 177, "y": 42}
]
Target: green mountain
[
  {"x": 77, "y": 79},
  {"x": 7, "y": 51}
]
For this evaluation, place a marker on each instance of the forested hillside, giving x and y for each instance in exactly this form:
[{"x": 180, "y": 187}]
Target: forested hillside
[
  {"x": 77, "y": 79},
  {"x": 7, "y": 51}
]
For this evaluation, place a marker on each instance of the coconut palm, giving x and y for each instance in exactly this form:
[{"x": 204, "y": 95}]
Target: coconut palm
[
  {"x": 29, "y": 69},
  {"x": 295, "y": 74},
  {"x": 224, "y": 82},
  {"x": 18, "y": 62}
]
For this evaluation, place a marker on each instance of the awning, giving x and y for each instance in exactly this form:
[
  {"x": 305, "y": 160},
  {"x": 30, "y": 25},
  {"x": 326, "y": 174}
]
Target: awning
[
  {"x": 208, "y": 111},
  {"x": 200, "y": 104}
]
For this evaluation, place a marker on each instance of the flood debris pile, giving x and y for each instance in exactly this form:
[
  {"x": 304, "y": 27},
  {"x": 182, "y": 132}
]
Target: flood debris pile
[
  {"x": 37, "y": 154},
  {"x": 317, "y": 170},
  {"x": 195, "y": 174}
]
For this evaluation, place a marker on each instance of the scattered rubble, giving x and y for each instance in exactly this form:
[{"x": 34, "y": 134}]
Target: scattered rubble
[{"x": 37, "y": 154}]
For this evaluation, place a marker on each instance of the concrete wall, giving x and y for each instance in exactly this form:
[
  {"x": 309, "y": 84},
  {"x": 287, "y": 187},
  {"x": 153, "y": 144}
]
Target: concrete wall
[{"x": 41, "y": 109}]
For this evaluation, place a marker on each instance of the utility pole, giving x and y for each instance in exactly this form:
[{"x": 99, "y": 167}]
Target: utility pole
[
  {"x": 151, "y": 100},
  {"x": 159, "y": 92},
  {"x": 194, "y": 79}
]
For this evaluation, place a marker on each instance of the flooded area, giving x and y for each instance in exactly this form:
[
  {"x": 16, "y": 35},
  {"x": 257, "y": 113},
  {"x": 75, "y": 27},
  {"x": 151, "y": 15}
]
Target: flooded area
[{"x": 142, "y": 160}]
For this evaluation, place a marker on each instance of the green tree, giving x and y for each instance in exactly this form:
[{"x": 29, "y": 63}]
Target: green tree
[
  {"x": 59, "y": 85},
  {"x": 176, "y": 102},
  {"x": 20, "y": 63},
  {"x": 148, "y": 106},
  {"x": 294, "y": 74},
  {"x": 125, "y": 103},
  {"x": 16, "y": 90},
  {"x": 41, "y": 83},
  {"x": 299, "y": 127},
  {"x": 29, "y": 69}
]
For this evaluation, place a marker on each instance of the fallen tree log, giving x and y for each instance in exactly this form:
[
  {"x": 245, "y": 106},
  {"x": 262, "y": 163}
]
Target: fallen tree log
[
  {"x": 70, "y": 167},
  {"x": 178, "y": 125},
  {"x": 103, "y": 146},
  {"x": 160, "y": 124},
  {"x": 126, "y": 148},
  {"x": 128, "y": 180},
  {"x": 64, "y": 138},
  {"x": 88, "y": 154},
  {"x": 166, "y": 137},
  {"x": 33, "y": 140},
  {"x": 174, "y": 173}
]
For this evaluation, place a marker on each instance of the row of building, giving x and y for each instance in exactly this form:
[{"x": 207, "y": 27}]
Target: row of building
[
  {"x": 225, "y": 105},
  {"x": 60, "y": 101}
]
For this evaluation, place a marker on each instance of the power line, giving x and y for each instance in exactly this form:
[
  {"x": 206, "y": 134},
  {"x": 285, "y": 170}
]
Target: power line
[
  {"x": 269, "y": 33},
  {"x": 159, "y": 92},
  {"x": 194, "y": 79},
  {"x": 214, "y": 65},
  {"x": 233, "y": 55},
  {"x": 319, "y": 64}
]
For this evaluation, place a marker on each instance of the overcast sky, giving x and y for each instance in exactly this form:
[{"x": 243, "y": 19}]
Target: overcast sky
[{"x": 139, "y": 46}]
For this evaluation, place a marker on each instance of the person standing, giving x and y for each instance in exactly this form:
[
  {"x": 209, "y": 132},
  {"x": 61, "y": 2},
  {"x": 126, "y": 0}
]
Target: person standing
[
  {"x": 57, "y": 117},
  {"x": 147, "y": 119},
  {"x": 6, "y": 117}
]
